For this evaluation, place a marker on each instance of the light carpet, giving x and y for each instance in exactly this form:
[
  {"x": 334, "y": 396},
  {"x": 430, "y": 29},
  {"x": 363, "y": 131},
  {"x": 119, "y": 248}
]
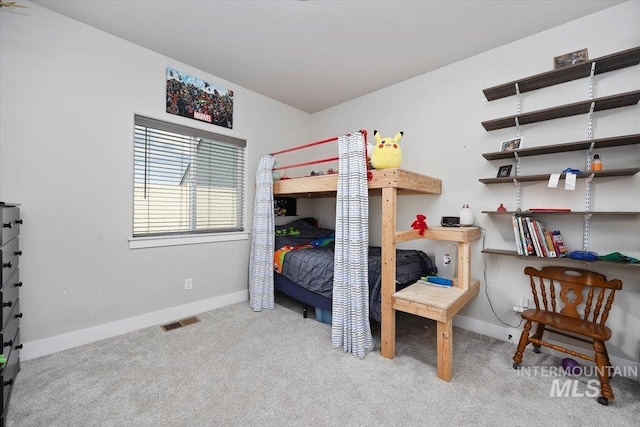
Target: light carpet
[{"x": 275, "y": 368}]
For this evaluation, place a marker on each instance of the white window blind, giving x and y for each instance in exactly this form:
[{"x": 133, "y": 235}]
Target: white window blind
[{"x": 186, "y": 180}]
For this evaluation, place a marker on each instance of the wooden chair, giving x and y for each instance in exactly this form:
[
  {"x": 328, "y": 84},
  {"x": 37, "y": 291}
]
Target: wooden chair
[{"x": 558, "y": 292}]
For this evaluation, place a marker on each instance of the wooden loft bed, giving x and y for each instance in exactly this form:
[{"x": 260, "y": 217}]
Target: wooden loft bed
[
  {"x": 404, "y": 182},
  {"x": 439, "y": 304}
]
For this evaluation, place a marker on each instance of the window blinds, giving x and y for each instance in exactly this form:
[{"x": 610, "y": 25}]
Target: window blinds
[{"x": 186, "y": 180}]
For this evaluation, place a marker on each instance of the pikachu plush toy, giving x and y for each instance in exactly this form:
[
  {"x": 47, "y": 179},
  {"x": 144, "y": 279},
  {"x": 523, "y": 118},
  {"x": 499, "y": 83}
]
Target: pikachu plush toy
[{"x": 387, "y": 153}]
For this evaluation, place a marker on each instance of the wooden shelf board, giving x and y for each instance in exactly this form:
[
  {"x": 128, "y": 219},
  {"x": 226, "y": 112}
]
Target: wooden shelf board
[
  {"x": 613, "y": 213},
  {"x": 545, "y": 177},
  {"x": 582, "y": 107},
  {"x": 325, "y": 185},
  {"x": 604, "y": 64},
  {"x": 615, "y": 141},
  {"x": 450, "y": 234},
  {"x": 514, "y": 254},
  {"x": 434, "y": 302}
]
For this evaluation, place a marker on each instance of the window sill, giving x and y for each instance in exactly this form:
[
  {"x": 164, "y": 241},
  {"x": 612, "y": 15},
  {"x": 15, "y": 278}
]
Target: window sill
[{"x": 162, "y": 241}]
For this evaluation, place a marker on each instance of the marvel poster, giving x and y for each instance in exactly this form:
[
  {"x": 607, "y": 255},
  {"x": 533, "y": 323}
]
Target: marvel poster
[{"x": 189, "y": 96}]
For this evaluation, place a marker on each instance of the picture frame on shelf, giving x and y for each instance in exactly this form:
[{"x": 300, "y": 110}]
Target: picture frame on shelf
[
  {"x": 569, "y": 59},
  {"x": 511, "y": 144},
  {"x": 504, "y": 171}
]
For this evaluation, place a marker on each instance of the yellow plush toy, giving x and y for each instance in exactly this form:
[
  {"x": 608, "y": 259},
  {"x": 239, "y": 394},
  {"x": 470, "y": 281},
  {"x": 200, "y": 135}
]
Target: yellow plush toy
[{"x": 387, "y": 153}]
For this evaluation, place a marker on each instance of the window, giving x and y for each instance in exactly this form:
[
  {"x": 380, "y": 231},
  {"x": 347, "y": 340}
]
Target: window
[{"x": 186, "y": 180}]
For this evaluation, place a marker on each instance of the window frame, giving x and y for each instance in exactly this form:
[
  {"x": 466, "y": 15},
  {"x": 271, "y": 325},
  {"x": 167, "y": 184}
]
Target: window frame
[{"x": 191, "y": 236}]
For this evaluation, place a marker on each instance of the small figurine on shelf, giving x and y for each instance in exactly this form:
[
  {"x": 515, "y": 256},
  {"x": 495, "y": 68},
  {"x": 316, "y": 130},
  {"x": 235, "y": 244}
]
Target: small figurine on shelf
[
  {"x": 501, "y": 208},
  {"x": 420, "y": 224},
  {"x": 596, "y": 165}
]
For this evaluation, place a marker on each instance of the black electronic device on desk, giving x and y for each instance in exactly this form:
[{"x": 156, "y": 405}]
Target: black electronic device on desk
[{"x": 450, "y": 221}]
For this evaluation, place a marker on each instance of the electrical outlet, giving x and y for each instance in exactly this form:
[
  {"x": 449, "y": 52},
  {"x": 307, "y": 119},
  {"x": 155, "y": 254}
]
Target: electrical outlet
[{"x": 188, "y": 284}]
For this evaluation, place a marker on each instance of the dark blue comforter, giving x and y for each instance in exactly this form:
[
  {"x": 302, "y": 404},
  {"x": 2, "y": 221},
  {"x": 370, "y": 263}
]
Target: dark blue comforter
[{"x": 312, "y": 268}]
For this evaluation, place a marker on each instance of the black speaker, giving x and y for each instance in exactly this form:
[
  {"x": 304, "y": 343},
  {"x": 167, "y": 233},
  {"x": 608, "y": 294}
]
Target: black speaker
[{"x": 450, "y": 221}]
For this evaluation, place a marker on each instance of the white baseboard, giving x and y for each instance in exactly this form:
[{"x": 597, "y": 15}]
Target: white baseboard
[
  {"x": 628, "y": 368},
  {"x": 34, "y": 349}
]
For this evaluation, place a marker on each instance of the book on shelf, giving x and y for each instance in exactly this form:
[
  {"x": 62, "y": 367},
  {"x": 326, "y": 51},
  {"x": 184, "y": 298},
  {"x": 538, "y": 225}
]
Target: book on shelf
[
  {"x": 558, "y": 243},
  {"x": 516, "y": 234},
  {"x": 541, "y": 229},
  {"x": 527, "y": 223},
  {"x": 546, "y": 235},
  {"x": 527, "y": 243},
  {"x": 532, "y": 237}
]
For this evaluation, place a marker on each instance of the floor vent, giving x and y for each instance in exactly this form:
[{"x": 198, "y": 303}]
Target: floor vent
[{"x": 180, "y": 323}]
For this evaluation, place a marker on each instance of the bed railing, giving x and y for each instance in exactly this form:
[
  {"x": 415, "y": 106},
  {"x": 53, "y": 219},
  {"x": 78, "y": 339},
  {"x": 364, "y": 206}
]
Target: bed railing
[{"x": 312, "y": 144}]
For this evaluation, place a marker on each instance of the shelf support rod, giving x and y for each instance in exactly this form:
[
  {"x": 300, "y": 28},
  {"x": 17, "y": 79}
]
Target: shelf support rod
[
  {"x": 585, "y": 237},
  {"x": 587, "y": 212},
  {"x": 518, "y": 109},
  {"x": 590, "y": 121},
  {"x": 587, "y": 186},
  {"x": 516, "y": 181},
  {"x": 589, "y": 154},
  {"x": 593, "y": 70}
]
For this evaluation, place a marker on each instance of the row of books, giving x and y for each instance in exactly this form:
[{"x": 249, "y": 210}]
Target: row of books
[{"x": 533, "y": 238}]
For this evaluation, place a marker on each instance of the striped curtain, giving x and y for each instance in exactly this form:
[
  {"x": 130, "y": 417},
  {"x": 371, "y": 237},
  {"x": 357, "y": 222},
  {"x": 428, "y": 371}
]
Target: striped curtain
[
  {"x": 350, "y": 311},
  {"x": 261, "y": 286}
]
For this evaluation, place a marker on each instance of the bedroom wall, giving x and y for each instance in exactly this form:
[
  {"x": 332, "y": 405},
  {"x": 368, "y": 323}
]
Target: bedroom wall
[
  {"x": 69, "y": 94},
  {"x": 441, "y": 114}
]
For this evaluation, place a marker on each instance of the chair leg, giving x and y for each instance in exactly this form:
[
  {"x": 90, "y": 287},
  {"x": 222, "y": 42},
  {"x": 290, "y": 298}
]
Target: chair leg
[
  {"x": 538, "y": 336},
  {"x": 524, "y": 340},
  {"x": 606, "y": 354},
  {"x": 603, "y": 374}
]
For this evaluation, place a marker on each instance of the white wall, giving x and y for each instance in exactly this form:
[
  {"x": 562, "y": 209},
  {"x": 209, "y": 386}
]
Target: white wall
[
  {"x": 69, "y": 95},
  {"x": 441, "y": 114}
]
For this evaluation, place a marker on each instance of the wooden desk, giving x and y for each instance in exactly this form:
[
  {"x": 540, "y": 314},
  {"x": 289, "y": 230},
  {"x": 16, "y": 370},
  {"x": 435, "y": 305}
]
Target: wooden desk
[{"x": 439, "y": 304}]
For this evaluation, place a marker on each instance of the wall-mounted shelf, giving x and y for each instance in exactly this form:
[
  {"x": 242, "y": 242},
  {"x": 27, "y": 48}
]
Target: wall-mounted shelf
[
  {"x": 616, "y": 141},
  {"x": 552, "y": 212},
  {"x": 588, "y": 69},
  {"x": 514, "y": 254},
  {"x": 605, "y": 103},
  {"x": 545, "y": 177},
  {"x": 604, "y": 64}
]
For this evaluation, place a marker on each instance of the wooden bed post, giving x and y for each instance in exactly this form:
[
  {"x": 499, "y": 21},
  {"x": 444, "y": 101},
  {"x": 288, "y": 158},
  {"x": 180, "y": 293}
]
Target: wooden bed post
[{"x": 388, "y": 273}]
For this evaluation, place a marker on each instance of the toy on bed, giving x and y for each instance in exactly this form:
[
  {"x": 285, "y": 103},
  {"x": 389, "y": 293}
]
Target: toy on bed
[{"x": 387, "y": 153}]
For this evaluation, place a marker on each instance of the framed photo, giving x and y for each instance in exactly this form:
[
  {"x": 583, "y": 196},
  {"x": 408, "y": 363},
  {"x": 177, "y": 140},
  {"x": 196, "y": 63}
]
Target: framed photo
[
  {"x": 504, "y": 171},
  {"x": 570, "y": 59},
  {"x": 511, "y": 144},
  {"x": 189, "y": 96}
]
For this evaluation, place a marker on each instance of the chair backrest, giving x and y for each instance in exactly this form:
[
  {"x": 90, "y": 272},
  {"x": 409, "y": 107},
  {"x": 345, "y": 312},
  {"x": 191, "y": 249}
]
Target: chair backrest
[{"x": 562, "y": 290}]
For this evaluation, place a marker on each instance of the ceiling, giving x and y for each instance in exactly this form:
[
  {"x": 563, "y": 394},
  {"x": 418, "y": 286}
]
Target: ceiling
[{"x": 316, "y": 54}]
